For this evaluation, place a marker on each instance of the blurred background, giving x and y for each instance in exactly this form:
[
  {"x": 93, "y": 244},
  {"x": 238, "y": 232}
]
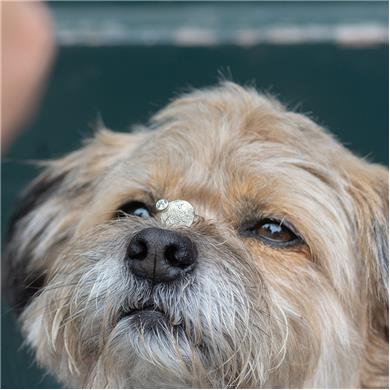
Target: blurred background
[{"x": 122, "y": 61}]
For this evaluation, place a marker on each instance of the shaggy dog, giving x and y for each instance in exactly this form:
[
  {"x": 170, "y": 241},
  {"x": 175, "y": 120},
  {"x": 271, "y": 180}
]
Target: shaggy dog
[{"x": 279, "y": 281}]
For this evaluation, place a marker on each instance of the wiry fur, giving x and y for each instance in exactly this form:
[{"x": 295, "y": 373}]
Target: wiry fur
[{"x": 250, "y": 315}]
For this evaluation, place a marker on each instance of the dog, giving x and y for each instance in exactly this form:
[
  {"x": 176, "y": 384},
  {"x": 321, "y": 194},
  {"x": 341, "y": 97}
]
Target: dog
[{"x": 228, "y": 243}]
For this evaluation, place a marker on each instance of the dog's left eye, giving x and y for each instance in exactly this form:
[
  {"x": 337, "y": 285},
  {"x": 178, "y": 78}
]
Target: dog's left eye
[
  {"x": 135, "y": 208},
  {"x": 272, "y": 232}
]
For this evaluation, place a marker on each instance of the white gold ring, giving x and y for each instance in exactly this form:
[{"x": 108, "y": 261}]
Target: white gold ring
[{"x": 176, "y": 212}]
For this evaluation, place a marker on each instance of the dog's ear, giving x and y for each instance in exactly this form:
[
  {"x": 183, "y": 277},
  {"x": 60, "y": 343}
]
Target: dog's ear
[
  {"x": 48, "y": 212},
  {"x": 369, "y": 189},
  {"x": 370, "y": 193}
]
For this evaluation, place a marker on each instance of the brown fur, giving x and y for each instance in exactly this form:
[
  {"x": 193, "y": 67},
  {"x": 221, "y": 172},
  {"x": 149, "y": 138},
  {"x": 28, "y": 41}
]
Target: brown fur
[{"x": 311, "y": 315}]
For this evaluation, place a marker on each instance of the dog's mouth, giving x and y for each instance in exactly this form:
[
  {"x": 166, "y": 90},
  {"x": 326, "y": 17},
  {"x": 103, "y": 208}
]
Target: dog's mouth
[
  {"x": 146, "y": 317},
  {"x": 139, "y": 311},
  {"x": 150, "y": 318}
]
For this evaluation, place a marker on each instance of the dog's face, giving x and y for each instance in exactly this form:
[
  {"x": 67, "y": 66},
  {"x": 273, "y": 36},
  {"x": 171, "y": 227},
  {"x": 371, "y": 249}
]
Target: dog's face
[{"x": 280, "y": 281}]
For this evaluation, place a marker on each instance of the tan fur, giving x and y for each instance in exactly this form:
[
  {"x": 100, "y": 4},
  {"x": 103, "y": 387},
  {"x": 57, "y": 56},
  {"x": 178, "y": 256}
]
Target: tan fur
[{"x": 312, "y": 315}]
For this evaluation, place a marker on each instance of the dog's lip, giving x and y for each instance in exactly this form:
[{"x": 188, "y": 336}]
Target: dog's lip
[
  {"x": 149, "y": 311},
  {"x": 138, "y": 310}
]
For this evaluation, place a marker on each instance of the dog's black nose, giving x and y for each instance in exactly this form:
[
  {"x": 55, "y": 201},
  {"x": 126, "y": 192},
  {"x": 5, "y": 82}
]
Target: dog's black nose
[{"x": 161, "y": 255}]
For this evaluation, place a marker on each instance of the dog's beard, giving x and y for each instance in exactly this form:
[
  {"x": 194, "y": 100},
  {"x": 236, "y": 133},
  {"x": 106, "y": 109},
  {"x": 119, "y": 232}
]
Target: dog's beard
[
  {"x": 201, "y": 330},
  {"x": 221, "y": 326}
]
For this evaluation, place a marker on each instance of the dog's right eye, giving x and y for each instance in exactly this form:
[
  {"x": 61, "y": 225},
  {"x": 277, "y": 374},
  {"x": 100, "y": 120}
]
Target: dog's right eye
[
  {"x": 138, "y": 209},
  {"x": 272, "y": 232}
]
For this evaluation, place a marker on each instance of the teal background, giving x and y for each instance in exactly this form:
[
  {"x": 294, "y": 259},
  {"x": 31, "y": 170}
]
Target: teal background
[{"x": 344, "y": 88}]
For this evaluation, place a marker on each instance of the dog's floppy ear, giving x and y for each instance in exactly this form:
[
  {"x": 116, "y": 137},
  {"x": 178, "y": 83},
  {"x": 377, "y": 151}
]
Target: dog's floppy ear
[
  {"x": 19, "y": 283},
  {"x": 370, "y": 192},
  {"x": 49, "y": 210},
  {"x": 369, "y": 189}
]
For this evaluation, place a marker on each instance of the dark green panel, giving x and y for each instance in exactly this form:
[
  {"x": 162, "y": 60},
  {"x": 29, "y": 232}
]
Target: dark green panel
[{"x": 17, "y": 367}]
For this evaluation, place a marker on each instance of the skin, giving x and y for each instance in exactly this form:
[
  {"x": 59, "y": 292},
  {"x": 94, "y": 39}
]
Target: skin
[{"x": 27, "y": 53}]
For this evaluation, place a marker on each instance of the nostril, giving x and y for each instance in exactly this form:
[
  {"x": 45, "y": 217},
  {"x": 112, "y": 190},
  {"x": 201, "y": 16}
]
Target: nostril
[
  {"x": 180, "y": 256},
  {"x": 170, "y": 255},
  {"x": 137, "y": 249}
]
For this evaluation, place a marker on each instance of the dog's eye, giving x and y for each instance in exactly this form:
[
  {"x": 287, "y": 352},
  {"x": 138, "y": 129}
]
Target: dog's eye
[
  {"x": 135, "y": 208},
  {"x": 272, "y": 232}
]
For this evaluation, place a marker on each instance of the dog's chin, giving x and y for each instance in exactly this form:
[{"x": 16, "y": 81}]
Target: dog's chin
[
  {"x": 148, "y": 340},
  {"x": 144, "y": 349}
]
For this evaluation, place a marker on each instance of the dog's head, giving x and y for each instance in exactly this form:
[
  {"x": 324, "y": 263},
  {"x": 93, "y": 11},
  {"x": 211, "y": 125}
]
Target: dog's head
[{"x": 281, "y": 279}]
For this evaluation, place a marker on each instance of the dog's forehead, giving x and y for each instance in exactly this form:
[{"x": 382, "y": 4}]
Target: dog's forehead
[
  {"x": 226, "y": 166},
  {"x": 231, "y": 114},
  {"x": 217, "y": 149}
]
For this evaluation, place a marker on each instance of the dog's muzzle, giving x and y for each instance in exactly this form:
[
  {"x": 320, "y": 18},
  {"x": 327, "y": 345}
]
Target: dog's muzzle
[
  {"x": 161, "y": 255},
  {"x": 164, "y": 255}
]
